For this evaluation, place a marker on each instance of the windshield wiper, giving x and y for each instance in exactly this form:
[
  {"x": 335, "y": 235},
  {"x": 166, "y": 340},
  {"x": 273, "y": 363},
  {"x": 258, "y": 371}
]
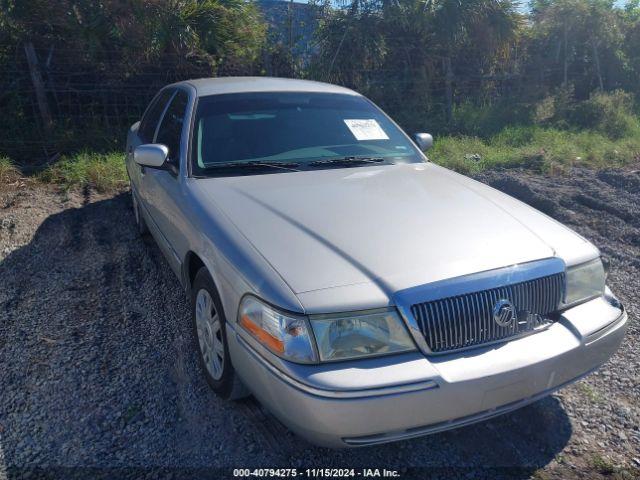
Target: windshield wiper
[
  {"x": 293, "y": 167},
  {"x": 345, "y": 161}
]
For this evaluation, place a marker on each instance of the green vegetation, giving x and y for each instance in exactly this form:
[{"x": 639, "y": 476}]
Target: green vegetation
[
  {"x": 120, "y": 40},
  {"x": 603, "y": 465},
  {"x": 547, "y": 150},
  {"x": 601, "y": 132},
  {"x": 101, "y": 62},
  {"x": 598, "y": 133},
  {"x": 103, "y": 172},
  {"x": 8, "y": 171},
  {"x": 589, "y": 392},
  {"x": 548, "y": 88},
  {"x": 478, "y": 66},
  {"x": 498, "y": 88}
]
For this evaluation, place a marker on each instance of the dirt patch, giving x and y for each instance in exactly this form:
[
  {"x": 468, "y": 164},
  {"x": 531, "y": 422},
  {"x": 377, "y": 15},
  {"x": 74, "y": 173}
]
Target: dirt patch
[
  {"x": 98, "y": 370},
  {"x": 605, "y": 208}
]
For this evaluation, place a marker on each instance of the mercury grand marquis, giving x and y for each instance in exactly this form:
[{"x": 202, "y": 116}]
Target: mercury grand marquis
[{"x": 360, "y": 292}]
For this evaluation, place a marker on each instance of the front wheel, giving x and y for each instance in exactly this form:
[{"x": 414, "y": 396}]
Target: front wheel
[{"x": 209, "y": 326}]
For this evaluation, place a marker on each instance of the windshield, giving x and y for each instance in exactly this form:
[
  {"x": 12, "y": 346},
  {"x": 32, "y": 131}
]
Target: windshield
[{"x": 294, "y": 129}]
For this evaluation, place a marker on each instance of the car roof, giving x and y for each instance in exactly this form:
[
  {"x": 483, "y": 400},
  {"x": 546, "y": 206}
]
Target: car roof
[{"x": 222, "y": 85}]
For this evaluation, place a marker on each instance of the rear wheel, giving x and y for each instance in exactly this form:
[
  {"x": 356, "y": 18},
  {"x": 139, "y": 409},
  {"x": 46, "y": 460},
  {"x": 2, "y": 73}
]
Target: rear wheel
[{"x": 209, "y": 326}]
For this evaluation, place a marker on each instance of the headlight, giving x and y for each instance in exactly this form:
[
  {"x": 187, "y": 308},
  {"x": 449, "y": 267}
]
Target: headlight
[
  {"x": 347, "y": 337},
  {"x": 285, "y": 335},
  {"x": 584, "y": 282}
]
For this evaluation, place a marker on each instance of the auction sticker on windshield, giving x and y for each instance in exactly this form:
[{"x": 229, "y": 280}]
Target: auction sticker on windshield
[{"x": 366, "y": 130}]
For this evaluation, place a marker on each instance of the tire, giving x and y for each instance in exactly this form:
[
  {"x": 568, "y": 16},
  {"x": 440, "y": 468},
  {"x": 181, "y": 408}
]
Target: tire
[
  {"x": 141, "y": 225},
  {"x": 209, "y": 329}
]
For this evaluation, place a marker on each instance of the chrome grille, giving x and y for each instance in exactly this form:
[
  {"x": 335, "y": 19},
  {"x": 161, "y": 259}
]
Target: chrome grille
[{"x": 467, "y": 320}]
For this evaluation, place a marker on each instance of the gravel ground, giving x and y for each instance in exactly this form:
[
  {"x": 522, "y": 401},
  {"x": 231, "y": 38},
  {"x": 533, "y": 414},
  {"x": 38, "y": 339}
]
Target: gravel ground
[{"x": 98, "y": 376}]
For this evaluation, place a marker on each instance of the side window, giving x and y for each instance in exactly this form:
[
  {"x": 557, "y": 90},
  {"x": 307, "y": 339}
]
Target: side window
[
  {"x": 150, "y": 120},
  {"x": 171, "y": 127}
]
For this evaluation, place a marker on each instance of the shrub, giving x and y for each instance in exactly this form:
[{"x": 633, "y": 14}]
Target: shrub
[
  {"x": 9, "y": 173},
  {"x": 608, "y": 113},
  {"x": 553, "y": 110},
  {"x": 485, "y": 120},
  {"x": 104, "y": 172}
]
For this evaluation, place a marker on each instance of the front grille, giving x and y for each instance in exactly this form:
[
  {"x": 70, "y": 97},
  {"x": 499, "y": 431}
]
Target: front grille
[{"x": 467, "y": 320}]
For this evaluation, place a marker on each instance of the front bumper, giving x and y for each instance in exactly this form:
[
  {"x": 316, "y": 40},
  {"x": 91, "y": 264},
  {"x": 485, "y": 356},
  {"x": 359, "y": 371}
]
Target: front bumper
[{"x": 387, "y": 399}]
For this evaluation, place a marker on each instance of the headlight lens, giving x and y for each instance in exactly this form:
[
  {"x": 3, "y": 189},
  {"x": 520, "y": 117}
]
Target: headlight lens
[
  {"x": 285, "y": 335},
  {"x": 584, "y": 282},
  {"x": 369, "y": 334}
]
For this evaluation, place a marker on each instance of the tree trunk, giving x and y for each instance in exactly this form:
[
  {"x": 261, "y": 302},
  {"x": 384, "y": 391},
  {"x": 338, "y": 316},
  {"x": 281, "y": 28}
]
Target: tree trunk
[
  {"x": 38, "y": 85},
  {"x": 596, "y": 58},
  {"x": 290, "y": 12},
  {"x": 449, "y": 77},
  {"x": 565, "y": 80}
]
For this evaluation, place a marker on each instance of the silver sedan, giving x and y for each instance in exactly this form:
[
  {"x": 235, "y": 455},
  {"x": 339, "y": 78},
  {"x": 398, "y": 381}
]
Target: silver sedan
[{"x": 360, "y": 292}]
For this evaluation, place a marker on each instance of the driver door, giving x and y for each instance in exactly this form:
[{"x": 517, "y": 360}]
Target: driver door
[
  {"x": 146, "y": 133},
  {"x": 162, "y": 187}
]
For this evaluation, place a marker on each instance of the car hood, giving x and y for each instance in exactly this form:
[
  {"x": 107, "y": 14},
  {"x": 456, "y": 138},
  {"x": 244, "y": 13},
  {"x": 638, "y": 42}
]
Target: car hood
[{"x": 394, "y": 226}]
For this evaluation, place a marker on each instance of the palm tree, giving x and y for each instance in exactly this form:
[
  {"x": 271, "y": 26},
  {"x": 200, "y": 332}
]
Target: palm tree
[{"x": 214, "y": 31}]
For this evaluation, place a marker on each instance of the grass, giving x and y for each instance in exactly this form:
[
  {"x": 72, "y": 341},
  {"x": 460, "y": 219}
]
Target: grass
[
  {"x": 589, "y": 392},
  {"x": 608, "y": 468},
  {"x": 601, "y": 132},
  {"x": 603, "y": 465},
  {"x": 103, "y": 172},
  {"x": 9, "y": 173},
  {"x": 544, "y": 149},
  {"x": 548, "y": 150}
]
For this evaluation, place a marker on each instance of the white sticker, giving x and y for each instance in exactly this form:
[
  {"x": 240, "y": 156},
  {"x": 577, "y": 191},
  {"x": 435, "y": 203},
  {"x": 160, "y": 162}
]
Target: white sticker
[{"x": 366, "y": 130}]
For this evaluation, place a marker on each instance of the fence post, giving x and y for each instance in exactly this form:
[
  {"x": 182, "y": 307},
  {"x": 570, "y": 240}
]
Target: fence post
[{"x": 38, "y": 85}]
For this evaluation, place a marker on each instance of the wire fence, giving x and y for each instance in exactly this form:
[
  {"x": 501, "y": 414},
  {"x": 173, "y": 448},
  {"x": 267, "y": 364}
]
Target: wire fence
[
  {"x": 92, "y": 108},
  {"x": 57, "y": 99},
  {"x": 81, "y": 106}
]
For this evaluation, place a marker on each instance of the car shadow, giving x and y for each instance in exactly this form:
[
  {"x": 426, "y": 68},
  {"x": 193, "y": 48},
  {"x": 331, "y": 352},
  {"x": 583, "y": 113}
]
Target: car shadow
[{"x": 99, "y": 377}]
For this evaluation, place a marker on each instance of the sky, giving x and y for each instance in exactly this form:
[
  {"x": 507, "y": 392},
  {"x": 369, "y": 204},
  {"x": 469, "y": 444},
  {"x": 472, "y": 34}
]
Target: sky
[{"x": 618, "y": 2}]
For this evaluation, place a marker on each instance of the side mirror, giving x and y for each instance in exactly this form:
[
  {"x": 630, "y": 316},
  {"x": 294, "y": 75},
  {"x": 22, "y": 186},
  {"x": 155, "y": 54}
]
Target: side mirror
[
  {"x": 151, "y": 155},
  {"x": 423, "y": 140}
]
